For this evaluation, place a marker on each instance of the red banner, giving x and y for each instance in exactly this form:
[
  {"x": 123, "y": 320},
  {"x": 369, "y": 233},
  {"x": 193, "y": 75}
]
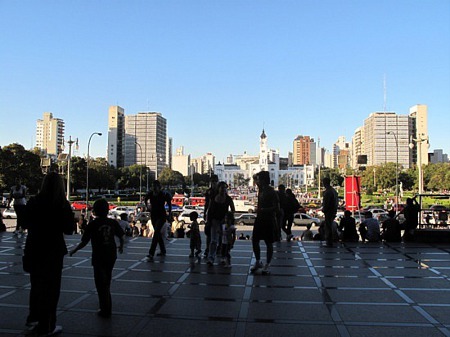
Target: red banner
[{"x": 352, "y": 193}]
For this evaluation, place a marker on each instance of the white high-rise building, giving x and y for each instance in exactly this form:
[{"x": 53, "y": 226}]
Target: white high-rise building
[
  {"x": 419, "y": 133},
  {"x": 181, "y": 162},
  {"x": 383, "y": 133},
  {"x": 50, "y": 134},
  {"x": 146, "y": 141},
  {"x": 116, "y": 136}
]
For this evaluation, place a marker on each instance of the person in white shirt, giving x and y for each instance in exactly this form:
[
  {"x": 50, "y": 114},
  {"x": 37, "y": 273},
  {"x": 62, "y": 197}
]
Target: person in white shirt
[{"x": 18, "y": 193}]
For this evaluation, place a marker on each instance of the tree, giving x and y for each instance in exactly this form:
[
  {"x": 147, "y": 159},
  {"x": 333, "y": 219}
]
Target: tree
[
  {"x": 18, "y": 163},
  {"x": 168, "y": 177}
]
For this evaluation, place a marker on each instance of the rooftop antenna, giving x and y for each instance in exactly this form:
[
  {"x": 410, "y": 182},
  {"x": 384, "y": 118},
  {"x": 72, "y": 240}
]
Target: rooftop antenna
[{"x": 384, "y": 93}]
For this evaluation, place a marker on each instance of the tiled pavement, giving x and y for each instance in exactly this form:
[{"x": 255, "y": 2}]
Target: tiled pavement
[{"x": 350, "y": 290}]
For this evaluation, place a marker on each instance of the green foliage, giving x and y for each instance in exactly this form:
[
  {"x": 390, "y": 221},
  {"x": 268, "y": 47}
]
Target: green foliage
[{"x": 168, "y": 177}]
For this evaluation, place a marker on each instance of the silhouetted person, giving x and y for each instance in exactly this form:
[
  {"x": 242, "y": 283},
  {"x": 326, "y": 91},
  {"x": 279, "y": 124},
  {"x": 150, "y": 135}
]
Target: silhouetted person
[
  {"x": 209, "y": 195},
  {"x": 392, "y": 230},
  {"x": 281, "y": 223},
  {"x": 411, "y": 212},
  {"x": 218, "y": 208},
  {"x": 329, "y": 208},
  {"x": 195, "y": 240},
  {"x": 45, "y": 248},
  {"x": 102, "y": 232},
  {"x": 347, "y": 226},
  {"x": 292, "y": 206},
  {"x": 18, "y": 194},
  {"x": 156, "y": 201},
  {"x": 266, "y": 220}
]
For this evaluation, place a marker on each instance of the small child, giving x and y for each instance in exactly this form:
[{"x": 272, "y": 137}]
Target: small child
[
  {"x": 307, "y": 234},
  {"x": 228, "y": 239},
  {"x": 101, "y": 232},
  {"x": 195, "y": 239}
]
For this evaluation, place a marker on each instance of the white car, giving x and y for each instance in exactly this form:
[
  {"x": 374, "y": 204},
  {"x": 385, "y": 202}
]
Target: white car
[
  {"x": 302, "y": 219},
  {"x": 377, "y": 212},
  {"x": 9, "y": 213},
  {"x": 183, "y": 218},
  {"x": 122, "y": 209}
]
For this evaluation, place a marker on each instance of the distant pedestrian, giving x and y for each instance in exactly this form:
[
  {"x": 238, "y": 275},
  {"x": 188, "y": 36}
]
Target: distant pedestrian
[
  {"x": 101, "y": 232},
  {"x": 307, "y": 234},
  {"x": 44, "y": 252},
  {"x": 266, "y": 221},
  {"x": 330, "y": 206},
  {"x": 228, "y": 239},
  {"x": 391, "y": 229},
  {"x": 292, "y": 206},
  {"x": 347, "y": 226},
  {"x": 411, "y": 213},
  {"x": 156, "y": 201},
  {"x": 218, "y": 208},
  {"x": 370, "y": 229},
  {"x": 17, "y": 197},
  {"x": 209, "y": 195},
  {"x": 195, "y": 243}
]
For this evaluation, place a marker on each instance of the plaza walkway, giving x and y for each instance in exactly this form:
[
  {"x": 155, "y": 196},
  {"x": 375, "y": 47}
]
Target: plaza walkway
[{"x": 350, "y": 290}]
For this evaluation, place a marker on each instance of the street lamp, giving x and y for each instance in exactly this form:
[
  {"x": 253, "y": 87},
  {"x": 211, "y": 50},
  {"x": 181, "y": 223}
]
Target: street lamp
[
  {"x": 396, "y": 171},
  {"x": 69, "y": 159},
  {"x": 419, "y": 158},
  {"x": 87, "y": 171},
  {"x": 140, "y": 173}
]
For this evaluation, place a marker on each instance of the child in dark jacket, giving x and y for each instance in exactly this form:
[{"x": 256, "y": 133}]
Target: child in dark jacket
[{"x": 101, "y": 232}]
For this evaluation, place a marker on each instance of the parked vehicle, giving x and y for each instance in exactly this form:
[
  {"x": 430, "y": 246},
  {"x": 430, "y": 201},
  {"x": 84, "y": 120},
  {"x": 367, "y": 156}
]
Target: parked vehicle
[
  {"x": 80, "y": 205},
  {"x": 9, "y": 213},
  {"x": 378, "y": 213},
  {"x": 302, "y": 219},
  {"x": 244, "y": 206},
  {"x": 245, "y": 219},
  {"x": 183, "y": 218},
  {"x": 122, "y": 209}
]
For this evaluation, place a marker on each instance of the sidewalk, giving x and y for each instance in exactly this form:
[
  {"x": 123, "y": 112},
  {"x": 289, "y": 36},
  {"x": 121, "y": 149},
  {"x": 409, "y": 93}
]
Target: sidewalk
[{"x": 350, "y": 290}]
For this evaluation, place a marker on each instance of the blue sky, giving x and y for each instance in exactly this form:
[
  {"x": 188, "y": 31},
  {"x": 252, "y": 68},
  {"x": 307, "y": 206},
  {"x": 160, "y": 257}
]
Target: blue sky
[{"x": 220, "y": 71}]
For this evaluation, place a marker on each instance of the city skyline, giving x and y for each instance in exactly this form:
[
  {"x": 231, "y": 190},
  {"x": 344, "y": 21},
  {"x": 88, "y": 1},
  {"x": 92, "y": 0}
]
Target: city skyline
[{"x": 220, "y": 72}]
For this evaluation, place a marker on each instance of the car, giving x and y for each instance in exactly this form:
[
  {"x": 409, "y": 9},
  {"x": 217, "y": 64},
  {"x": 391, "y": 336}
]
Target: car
[
  {"x": 245, "y": 219},
  {"x": 303, "y": 219},
  {"x": 80, "y": 205},
  {"x": 143, "y": 217},
  {"x": 118, "y": 210},
  {"x": 183, "y": 218},
  {"x": 9, "y": 213},
  {"x": 378, "y": 212}
]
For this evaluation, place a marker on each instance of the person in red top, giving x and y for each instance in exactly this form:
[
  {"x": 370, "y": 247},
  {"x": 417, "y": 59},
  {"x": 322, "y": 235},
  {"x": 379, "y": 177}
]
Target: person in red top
[{"x": 101, "y": 232}]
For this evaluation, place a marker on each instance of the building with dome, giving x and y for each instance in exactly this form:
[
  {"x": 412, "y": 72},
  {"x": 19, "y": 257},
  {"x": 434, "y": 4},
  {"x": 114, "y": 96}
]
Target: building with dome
[{"x": 243, "y": 167}]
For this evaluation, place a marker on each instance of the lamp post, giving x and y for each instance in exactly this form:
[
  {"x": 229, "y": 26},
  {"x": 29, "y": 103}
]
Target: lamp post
[
  {"x": 396, "y": 171},
  {"x": 69, "y": 157},
  {"x": 419, "y": 142},
  {"x": 87, "y": 171},
  {"x": 140, "y": 173}
]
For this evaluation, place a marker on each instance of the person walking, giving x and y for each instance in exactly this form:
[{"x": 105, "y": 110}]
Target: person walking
[
  {"x": 17, "y": 197},
  {"x": 281, "y": 223},
  {"x": 101, "y": 232},
  {"x": 330, "y": 205},
  {"x": 195, "y": 240},
  {"x": 218, "y": 208},
  {"x": 209, "y": 195},
  {"x": 292, "y": 206},
  {"x": 156, "y": 201},
  {"x": 45, "y": 248},
  {"x": 266, "y": 221}
]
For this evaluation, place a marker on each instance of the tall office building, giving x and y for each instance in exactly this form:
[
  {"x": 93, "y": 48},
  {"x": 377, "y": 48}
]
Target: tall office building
[
  {"x": 341, "y": 153},
  {"x": 50, "y": 134},
  {"x": 146, "y": 141},
  {"x": 357, "y": 148},
  {"x": 418, "y": 115},
  {"x": 181, "y": 162},
  {"x": 116, "y": 136},
  {"x": 385, "y": 134},
  {"x": 302, "y": 150}
]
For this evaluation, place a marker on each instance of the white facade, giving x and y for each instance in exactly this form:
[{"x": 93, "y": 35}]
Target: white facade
[
  {"x": 181, "y": 162},
  {"x": 116, "y": 134},
  {"x": 146, "y": 141},
  {"x": 50, "y": 134},
  {"x": 268, "y": 160}
]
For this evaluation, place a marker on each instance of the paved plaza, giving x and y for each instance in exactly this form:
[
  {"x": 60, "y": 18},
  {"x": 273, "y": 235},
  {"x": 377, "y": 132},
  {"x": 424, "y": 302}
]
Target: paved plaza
[{"x": 349, "y": 290}]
